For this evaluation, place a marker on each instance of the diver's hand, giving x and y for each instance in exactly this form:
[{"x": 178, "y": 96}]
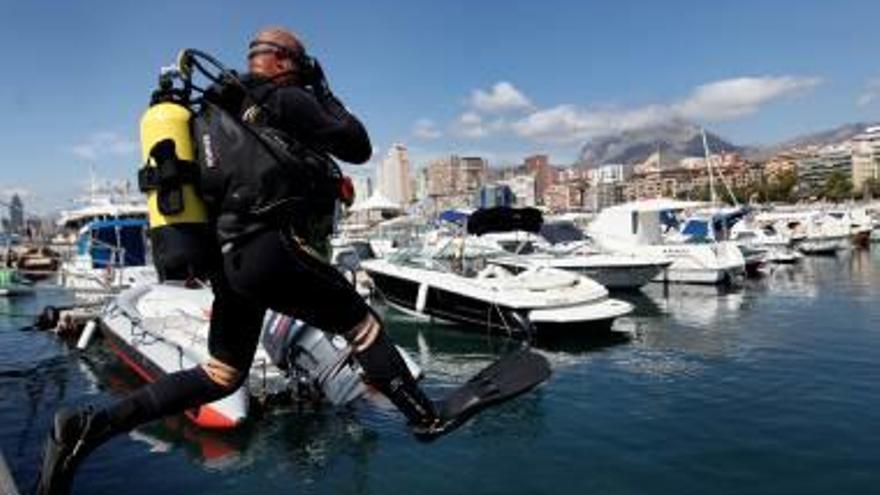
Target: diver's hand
[
  {"x": 316, "y": 80},
  {"x": 228, "y": 93}
]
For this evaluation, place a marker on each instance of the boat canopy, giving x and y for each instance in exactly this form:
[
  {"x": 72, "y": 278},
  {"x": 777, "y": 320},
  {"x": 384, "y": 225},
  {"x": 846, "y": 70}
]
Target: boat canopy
[
  {"x": 504, "y": 219},
  {"x": 700, "y": 228}
]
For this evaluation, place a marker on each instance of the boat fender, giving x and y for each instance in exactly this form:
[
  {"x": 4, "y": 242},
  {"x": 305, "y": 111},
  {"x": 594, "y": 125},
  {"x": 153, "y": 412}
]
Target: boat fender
[
  {"x": 422, "y": 298},
  {"x": 86, "y": 336}
]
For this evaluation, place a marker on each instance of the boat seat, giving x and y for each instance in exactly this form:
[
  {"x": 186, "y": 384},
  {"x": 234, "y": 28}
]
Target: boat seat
[{"x": 493, "y": 271}]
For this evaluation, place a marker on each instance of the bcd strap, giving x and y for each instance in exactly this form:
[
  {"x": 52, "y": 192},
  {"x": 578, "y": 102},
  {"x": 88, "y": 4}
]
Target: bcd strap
[{"x": 167, "y": 177}]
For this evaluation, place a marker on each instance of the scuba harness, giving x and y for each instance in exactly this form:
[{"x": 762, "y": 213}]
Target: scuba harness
[{"x": 211, "y": 175}]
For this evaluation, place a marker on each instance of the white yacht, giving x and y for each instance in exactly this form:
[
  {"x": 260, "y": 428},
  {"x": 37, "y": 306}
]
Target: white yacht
[
  {"x": 562, "y": 245},
  {"x": 812, "y": 231},
  {"x": 103, "y": 201},
  {"x": 637, "y": 228},
  {"x": 775, "y": 246}
]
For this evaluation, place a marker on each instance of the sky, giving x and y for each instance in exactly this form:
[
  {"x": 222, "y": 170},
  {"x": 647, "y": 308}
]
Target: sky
[{"x": 498, "y": 79}]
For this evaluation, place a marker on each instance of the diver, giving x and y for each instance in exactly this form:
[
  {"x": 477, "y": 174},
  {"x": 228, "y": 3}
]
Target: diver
[{"x": 273, "y": 261}]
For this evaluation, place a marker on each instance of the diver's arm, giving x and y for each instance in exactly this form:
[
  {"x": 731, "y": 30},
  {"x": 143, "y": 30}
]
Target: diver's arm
[{"x": 325, "y": 123}]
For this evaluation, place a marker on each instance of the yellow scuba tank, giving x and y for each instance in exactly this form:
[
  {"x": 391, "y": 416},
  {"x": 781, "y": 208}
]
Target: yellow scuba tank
[
  {"x": 178, "y": 218},
  {"x": 163, "y": 125}
]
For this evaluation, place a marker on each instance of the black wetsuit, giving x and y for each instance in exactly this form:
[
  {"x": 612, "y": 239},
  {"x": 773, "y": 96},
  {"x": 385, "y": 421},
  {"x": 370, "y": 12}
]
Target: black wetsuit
[{"x": 272, "y": 269}]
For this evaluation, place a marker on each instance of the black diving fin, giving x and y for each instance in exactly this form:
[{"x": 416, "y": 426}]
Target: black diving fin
[{"x": 509, "y": 377}]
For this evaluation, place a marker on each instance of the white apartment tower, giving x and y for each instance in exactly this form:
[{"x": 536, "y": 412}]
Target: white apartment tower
[
  {"x": 393, "y": 177},
  {"x": 865, "y": 157}
]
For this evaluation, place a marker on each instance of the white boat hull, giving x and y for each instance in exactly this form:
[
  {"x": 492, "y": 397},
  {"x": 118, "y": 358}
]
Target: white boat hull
[
  {"x": 823, "y": 245},
  {"x": 544, "y": 300},
  {"x": 624, "y": 273},
  {"x": 713, "y": 263},
  {"x": 152, "y": 354}
]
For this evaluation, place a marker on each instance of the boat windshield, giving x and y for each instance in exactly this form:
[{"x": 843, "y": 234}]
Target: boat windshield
[
  {"x": 558, "y": 232},
  {"x": 454, "y": 256}
]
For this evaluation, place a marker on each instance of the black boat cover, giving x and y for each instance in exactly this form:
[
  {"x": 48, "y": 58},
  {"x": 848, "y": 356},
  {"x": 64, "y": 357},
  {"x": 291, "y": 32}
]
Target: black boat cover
[{"x": 504, "y": 219}]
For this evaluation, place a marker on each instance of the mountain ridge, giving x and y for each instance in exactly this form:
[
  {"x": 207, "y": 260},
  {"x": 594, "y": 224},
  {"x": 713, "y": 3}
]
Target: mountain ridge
[{"x": 679, "y": 139}]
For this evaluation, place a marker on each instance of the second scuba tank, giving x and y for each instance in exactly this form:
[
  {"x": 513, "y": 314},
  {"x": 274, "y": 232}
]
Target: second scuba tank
[{"x": 179, "y": 232}]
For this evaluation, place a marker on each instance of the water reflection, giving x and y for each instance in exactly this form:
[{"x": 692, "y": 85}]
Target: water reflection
[
  {"x": 311, "y": 438},
  {"x": 454, "y": 354}
]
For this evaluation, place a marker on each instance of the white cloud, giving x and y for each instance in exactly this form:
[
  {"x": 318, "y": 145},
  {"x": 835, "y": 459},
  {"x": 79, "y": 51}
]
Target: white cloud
[
  {"x": 733, "y": 98},
  {"x": 720, "y": 100},
  {"x": 470, "y": 125},
  {"x": 563, "y": 123},
  {"x": 426, "y": 129},
  {"x": 104, "y": 144},
  {"x": 870, "y": 94},
  {"x": 502, "y": 97}
]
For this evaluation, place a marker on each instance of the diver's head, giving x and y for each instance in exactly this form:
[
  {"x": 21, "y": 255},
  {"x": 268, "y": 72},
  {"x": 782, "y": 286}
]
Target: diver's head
[{"x": 276, "y": 53}]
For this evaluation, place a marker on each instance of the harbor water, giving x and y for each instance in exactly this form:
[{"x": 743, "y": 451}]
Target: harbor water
[{"x": 769, "y": 388}]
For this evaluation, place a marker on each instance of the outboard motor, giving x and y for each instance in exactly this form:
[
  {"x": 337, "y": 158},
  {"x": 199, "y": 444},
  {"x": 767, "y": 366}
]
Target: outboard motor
[{"x": 320, "y": 363}]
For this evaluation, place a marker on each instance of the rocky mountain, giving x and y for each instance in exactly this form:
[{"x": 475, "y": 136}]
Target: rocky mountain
[
  {"x": 675, "y": 139},
  {"x": 679, "y": 139},
  {"x": 822, "y": 138}
]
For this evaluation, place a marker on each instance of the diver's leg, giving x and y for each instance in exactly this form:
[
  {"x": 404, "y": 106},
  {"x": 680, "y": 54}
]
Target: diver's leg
[
  {"x": 235, "y": 329},
  {"x": 284, "y": 276}
]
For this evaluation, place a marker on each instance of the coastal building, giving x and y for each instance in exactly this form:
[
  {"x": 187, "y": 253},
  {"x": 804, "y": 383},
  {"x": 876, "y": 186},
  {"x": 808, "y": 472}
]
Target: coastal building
[
  {"x": 442, "y": 176},
  {"x": 393, "y": 177},
  {"x": 784, "y": 162},
  {"x": 472, "y": 173},
  {"x": 865, "y": 157},
  {"x": 16, "y": 215},
  {"x": 523, "y": 188},
  {"x": 606, "y": 187},
  {"x": 545, "y": 175},
  {"x": 452, "y": 181},
  {"x": 814, "y": 171},
  {"x": 563, "y": 196}
]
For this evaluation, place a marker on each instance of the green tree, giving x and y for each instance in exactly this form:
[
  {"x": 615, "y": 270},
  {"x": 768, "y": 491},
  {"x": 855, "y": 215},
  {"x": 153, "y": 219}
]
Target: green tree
[{"x": 837, "y": 187}]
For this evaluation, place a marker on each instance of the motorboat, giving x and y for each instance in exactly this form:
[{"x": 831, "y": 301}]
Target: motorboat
[
  {"x": 562, "y": 245},
  {"x": 765, "y": 240},
  {"x": 860, "y": 223},
  {"x": 162, "y": 328},
  {"x": 35, "y": 262},
  {"x": 824, "y": 234},
  {"x": 458, "y": 285},
  {"x": 637, "y": 228},
  {"x": 812, "y": 232},
  {"x": 615, "y": 272}
]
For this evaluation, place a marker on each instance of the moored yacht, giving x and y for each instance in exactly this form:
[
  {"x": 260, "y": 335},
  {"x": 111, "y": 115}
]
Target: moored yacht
[
  {"x": 563, "y": 245},
  {"x": 466, "y": 287},
  {"x": 637, "y": 228}
]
